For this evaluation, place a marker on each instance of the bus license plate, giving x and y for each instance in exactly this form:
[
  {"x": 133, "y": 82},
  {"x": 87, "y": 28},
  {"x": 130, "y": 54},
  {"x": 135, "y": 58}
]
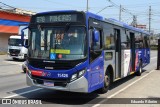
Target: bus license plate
[{"x": 48, "y": 83}]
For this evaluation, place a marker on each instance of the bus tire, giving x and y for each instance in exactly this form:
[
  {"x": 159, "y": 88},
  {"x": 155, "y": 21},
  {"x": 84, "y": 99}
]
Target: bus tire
[
  {"x": 107, "y": 82},
  {"x": 139, "y": 72}
]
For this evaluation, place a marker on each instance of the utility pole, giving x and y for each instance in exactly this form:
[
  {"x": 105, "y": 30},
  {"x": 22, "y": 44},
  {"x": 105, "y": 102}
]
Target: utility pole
[
  {"x": 120, "y": 12},
  {"x": 149, "y": 19},
  {"x": 87, "y": 6},
  {"x": 134, "y": 23}
]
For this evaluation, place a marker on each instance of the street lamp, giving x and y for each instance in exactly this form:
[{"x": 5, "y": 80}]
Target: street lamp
[{"x": 104, "y": 8}]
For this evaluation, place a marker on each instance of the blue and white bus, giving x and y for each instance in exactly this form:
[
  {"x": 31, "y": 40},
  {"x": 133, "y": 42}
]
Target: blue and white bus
[{"x": 82, "y": 52}]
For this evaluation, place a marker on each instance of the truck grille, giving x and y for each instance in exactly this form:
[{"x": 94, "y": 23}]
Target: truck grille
[{"x": 14, "y": 52}]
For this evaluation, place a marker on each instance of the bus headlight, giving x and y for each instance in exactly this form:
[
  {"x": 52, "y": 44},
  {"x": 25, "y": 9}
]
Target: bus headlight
[
  {"x": 77, "y": 75},
  {"x": 74, "y": 77},
  {"x": 81, "y": 73}
]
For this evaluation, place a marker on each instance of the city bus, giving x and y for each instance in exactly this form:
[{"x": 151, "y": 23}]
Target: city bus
[{"x": 82, "y": 52}]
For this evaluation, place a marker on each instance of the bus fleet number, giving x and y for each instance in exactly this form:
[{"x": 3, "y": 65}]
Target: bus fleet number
[{"x": 63, "y": 75}]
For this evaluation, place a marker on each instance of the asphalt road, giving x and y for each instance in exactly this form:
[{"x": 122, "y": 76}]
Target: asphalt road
[{"x": 13, "y": 85}]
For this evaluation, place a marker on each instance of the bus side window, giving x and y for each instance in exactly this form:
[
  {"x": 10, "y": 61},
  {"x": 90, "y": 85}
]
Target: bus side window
[
  {"x": 109, "y": 38},
  {"x": 146, "y": 42},
  {"x": 139, "y": 41},
  {"x": 125, "y": 40}
]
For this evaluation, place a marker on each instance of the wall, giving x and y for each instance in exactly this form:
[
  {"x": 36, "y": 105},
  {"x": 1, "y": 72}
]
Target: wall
[{"x": 4, "y": 41}]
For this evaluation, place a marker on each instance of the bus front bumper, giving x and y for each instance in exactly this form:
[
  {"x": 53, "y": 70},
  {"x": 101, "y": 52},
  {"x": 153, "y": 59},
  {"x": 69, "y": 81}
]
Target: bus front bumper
[{"x": 79, "y": 85}]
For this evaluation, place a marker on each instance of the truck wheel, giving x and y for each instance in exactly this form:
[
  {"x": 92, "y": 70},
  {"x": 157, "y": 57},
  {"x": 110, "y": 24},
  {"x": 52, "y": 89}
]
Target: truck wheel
[
  {"x": 107, "y": 82},
  {"x": 15, "y": 59},
  {"x": 25, "y": 56},
  {"x": 139, "y": 72}
]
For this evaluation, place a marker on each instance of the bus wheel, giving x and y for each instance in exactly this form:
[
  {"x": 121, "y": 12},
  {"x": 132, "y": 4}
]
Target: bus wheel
[
  {"x": 107, "y": 82},
  {"x": 139, "y": 72}
]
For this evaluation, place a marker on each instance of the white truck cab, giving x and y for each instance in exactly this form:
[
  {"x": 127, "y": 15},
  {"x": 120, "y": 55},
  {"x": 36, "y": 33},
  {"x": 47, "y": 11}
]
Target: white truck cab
[{"x": 15, "y": 48}]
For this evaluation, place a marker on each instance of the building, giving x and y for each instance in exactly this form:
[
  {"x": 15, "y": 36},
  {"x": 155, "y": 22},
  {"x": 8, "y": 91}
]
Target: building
[
  {"x": 10, "y": 19},
  {"x": 144, "y": 27}
]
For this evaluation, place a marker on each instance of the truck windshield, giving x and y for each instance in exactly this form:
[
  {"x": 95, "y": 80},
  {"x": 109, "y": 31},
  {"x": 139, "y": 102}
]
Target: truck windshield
[
  {"x": 58, "y": 44},
  {"x": 14, "y": 42}
]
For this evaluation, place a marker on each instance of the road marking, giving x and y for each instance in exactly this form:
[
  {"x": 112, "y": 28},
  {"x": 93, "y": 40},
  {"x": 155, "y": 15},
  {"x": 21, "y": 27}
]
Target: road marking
[
  {"x": 23, "y": 93},
  {"x": 15, "y": 63},
  {"x": 96, "y": 105}
]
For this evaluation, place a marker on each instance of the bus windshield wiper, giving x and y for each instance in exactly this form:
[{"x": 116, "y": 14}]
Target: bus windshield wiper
[
  {"x": 66, "y": 28},
  {"x": 39, "y": 27}
]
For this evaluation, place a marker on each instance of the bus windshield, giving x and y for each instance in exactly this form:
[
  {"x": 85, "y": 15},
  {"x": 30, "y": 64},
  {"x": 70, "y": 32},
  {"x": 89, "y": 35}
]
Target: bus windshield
[
  {"x": 14, "y": 42},
  {"x": 57, "y": 43}
]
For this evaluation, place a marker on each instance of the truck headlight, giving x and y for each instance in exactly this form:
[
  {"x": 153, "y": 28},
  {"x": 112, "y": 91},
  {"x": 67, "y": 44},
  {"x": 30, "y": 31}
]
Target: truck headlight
[
  {"x": 20, "y": 54},
  {"x": 77, "y": 75}
]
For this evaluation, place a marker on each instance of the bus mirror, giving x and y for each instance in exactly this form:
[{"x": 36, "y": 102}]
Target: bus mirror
[
  {"x": 96, "y": 36},
  {"x": 22, "y": 37}
]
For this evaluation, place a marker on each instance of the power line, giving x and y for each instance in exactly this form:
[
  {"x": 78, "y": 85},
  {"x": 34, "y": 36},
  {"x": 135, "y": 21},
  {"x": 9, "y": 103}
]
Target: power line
[
  {"x": 104, "y": 9},
  {"x": 122, "y": 9},
  {"x": 143, "y": 5},
  {"x": 7, "y": 5},
  {"x": 4, "y": 6}
]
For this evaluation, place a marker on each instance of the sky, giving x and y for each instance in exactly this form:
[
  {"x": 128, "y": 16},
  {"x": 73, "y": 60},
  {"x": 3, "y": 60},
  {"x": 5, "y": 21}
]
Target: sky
[{"x": 140, "y": 8}]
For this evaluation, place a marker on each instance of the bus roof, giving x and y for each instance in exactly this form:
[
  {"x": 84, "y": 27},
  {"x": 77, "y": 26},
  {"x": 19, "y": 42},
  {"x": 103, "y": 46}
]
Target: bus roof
[
  {"x": 116, "y": 22},
  {"x": 98, "y": 17},
  {"x": 129, "y": 27},
  {"x": 56, "y": 12}
]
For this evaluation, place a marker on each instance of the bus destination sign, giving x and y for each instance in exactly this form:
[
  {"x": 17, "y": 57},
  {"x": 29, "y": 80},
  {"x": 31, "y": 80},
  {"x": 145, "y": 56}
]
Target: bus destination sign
[{"x": 57, "y": 18}]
